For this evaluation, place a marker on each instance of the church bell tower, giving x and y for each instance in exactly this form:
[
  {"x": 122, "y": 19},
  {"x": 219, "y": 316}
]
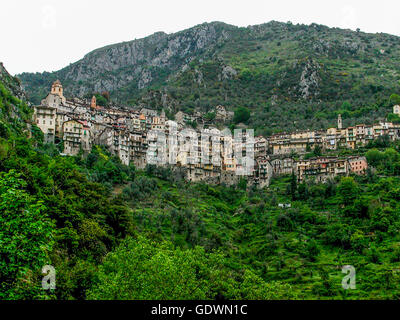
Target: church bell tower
[{"x": 339, "y": 122}]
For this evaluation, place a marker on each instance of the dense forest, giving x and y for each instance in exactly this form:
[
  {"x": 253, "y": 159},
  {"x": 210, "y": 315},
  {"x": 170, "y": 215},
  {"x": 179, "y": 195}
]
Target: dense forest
[{"x": 115, "y": 232}]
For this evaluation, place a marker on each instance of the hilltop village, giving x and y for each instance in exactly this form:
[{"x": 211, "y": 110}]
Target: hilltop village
[{"x": 81, "y": 123}]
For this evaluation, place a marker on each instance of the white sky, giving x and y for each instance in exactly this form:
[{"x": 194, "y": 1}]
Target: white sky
[{"x": 46, "y": 35}]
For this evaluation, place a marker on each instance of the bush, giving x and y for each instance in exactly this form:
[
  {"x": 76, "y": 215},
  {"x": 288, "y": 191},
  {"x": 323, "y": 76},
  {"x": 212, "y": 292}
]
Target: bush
[{"x": 242, "y": 115}]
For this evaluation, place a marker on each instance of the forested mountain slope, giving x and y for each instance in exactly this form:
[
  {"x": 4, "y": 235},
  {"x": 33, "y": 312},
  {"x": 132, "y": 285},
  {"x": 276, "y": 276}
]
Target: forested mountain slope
[{"x": 289, "y": 76}]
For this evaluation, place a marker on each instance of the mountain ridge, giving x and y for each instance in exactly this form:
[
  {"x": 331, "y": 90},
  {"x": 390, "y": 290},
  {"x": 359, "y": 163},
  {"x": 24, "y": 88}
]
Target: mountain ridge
[
  {"x": 294, "y": 67},
  {"x": 109, "y": 58}
]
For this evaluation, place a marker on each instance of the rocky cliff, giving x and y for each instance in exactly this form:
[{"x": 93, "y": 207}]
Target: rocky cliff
[
  {"x": 13, "y": 84},
  {"x": 15, "y": 114},
  {"x": 137, "y": 64}
]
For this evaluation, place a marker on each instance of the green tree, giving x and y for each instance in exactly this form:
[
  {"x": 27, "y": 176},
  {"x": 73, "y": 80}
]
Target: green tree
[
  {"x": 346, "y": 106},
  {"x": 348, "y": 190},
  {"x": 394, "y": 99},
  {"x": 210, "y": 116},
  {"x": 141, "y": 269},
  {"x": 255, "y": 288},
  {"x": 101, "y": 100},
  {"x": 293, "y": 186},
  {"x": 242, "y": 114},
  {"x": 317, "y": 151},
  {"x": 312, "y": 250},
  {"x": 25, "y": 238},
  {"x": 374, "y": 156}
]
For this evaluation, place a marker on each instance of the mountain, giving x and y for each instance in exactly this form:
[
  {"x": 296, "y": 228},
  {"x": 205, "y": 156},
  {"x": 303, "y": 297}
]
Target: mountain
[
  {"x": 15, "y": 113},
  {"x": 13, "y": 84},
  {"x": 135, "y": 64},
  {"x": 289, "y": 76}
]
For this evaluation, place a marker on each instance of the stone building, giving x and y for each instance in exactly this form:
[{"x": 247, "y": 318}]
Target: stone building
[
  {"x": 263, "y": 172},
  {"x": 297, "y": 142},
  {"x": 86, "y": 138},
  {"x": 133, "y": 124},
  {"x": 282, "y": 165},
  {"x": 340, "y": 122},
  {"x": 76, "y": 137},
  {"x": 260, "y": 146},
  {"x": 61, "y": 117},
  {"x": 158, "y": 122},
  {"x": 93, "y": 103},
  {"x": 358, "y": 165},
  {"x": 121, "y": 145},
  {"x": 330, "y": 140},
  {"x": 321, "y": 169},
  {"x": 45, "y": 119},
  {"x": 56, "y": 97},
  {"x": 72, "y": 137}
]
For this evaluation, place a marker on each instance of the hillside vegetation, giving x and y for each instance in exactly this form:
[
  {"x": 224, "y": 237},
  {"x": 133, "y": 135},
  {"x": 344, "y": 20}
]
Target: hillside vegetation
[{"x": 114, "y": 232}]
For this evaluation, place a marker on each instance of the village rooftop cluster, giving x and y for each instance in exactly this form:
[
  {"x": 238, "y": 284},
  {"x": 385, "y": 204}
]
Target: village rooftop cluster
[{"x": 144, "y": 136}]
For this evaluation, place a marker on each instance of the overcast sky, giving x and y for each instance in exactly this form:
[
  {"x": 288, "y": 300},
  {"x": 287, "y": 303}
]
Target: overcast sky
[{"x": 46, "y": 35}]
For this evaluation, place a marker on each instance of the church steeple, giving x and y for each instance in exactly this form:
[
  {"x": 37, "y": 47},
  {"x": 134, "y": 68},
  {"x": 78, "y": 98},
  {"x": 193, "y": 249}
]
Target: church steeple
[
  {"x": 93, "y": 103},
  {"x": 339, "y": 122},
  {"x": 57, "y": 89}
]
